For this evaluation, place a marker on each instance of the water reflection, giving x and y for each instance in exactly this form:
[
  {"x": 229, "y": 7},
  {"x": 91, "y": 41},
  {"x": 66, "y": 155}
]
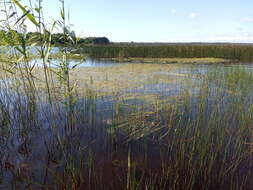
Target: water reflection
[{"x": 79, "y": 63}]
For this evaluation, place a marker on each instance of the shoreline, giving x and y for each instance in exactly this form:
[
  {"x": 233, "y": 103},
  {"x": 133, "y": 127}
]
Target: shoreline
[{"x": 171, "y": 60}]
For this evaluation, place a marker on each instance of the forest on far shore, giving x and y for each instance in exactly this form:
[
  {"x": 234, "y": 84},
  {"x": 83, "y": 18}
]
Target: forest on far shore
[{"x": 56, "y": 38}]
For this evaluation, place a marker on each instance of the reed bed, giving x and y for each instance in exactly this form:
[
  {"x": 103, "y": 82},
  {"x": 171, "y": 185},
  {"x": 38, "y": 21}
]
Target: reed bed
[
  {"x": 152, "y": 126},
  {"x": 234, "y": 52},
  {"x": 198, "y": 139}
]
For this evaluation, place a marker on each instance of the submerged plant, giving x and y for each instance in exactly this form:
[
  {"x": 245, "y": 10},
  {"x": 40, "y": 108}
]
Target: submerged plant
[{"x": 135, "y": 133}]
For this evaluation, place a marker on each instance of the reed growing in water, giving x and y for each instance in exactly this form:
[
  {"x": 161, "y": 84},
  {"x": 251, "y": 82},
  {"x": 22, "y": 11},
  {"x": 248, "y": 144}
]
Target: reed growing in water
[
  {"x": 235, "y": 52},
  {"x": 54, "y": 138}
]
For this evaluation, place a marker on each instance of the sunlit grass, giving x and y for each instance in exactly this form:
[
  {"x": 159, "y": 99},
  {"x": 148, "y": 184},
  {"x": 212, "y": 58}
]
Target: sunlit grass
[
  {"x": 205, "y": 136},
  {"x": 127, "y": 126},
  {"x": 171, "y": 60}
]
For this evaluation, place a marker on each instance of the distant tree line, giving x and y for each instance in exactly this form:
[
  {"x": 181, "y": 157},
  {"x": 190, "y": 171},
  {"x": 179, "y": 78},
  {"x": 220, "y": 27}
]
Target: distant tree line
[
  {"x": 56, "y": 38},
  {"x": 100, "y": 47},
  {"x": 94, "y": 40},
  {"x": 239, "y": 52}
]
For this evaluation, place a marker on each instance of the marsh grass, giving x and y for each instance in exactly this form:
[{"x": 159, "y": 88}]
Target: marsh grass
[
  {"x": 61, "y": 130},
  {"x": 235, "y": 52},
  {"x": 171, "y": 60},
  {"x": 136, "y": 141}
]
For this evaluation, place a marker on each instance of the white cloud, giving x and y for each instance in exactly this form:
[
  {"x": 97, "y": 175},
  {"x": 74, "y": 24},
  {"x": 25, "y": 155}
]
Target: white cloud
[
  {"x": 247, "y": 19},
  {"x": 30, "y": 26},
  {"x": 193, "y": 15},
  {"x": 243, "y": 38},
  {"x": 173, "y": 11},
  {"x": 239, "y": 28}
]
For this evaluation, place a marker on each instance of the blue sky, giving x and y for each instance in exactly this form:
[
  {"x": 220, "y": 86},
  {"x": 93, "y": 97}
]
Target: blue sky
[{"x": 160, "y": 20}]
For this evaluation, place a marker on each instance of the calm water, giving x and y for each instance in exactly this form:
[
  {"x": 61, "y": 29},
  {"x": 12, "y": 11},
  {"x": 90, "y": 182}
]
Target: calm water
[
  {"x": 188, "y": 79},
  {"x": 82, "y": 63},
  {"x": 94, "y": 116}
]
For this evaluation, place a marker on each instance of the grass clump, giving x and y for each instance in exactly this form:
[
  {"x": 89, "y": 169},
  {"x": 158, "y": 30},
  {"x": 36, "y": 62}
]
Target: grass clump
[
  {"x": 171, "y": 60},
  {"x": 152, "y": 126}
]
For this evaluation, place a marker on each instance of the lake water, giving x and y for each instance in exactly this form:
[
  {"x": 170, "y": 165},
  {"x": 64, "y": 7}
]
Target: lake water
[
  {"x": 142, "y": 96},
  {"x": 80, "y": 63},
  {"x": 141, "y": 84}
]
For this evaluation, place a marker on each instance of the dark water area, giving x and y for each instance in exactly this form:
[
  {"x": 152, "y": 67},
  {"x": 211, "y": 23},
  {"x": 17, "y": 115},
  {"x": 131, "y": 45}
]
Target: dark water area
[{"x": 105, "y": 128}]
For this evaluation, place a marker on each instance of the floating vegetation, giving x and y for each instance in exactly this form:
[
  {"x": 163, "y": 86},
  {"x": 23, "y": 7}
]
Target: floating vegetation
[{"x": 123, "y": 126}]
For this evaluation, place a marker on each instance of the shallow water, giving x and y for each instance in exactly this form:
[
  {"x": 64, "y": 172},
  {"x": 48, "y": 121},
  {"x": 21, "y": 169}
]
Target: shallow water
[
  {"x": 80, "y": 63},
  {"x": 97, "y": 117}
]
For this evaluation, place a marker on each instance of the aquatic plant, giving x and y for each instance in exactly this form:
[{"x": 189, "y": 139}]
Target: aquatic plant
[{"x": 154, "y": 127}]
